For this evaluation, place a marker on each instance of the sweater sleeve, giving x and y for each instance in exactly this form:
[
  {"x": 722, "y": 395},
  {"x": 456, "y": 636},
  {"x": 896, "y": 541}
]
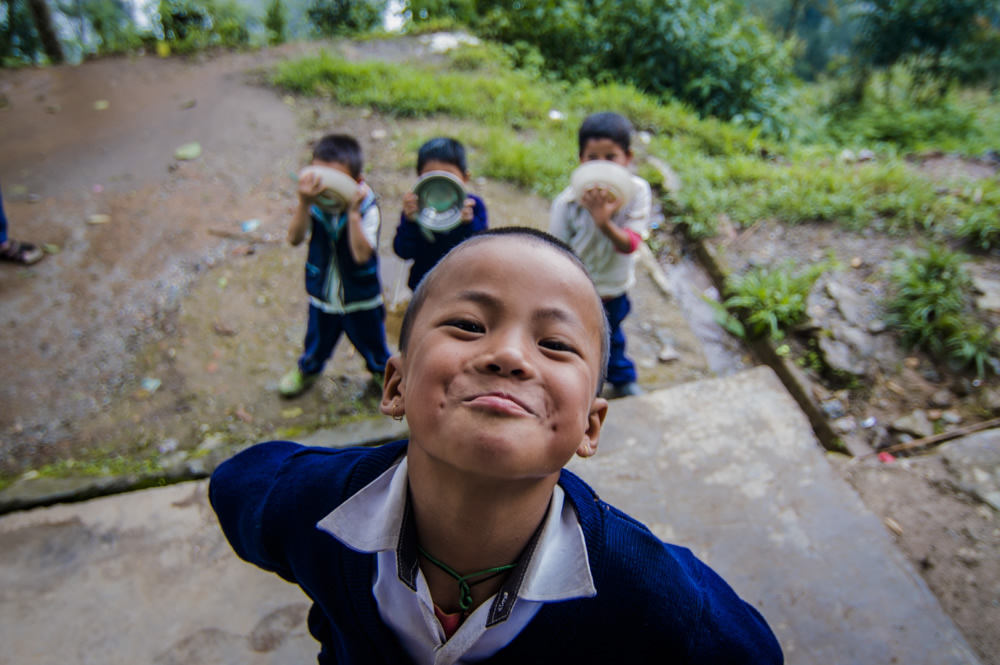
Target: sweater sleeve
[
  {"x": 728, "y": 629},
  {"x": 480, "y": 219},
  {"x": 239, "y": 491},
  {"x": 407, "y": 241}
]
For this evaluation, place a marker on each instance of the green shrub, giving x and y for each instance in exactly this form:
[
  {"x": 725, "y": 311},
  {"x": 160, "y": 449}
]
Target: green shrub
[
  {"x": 276, "y": 21},
  {"x": 345, "y": 17},
  {"x": 772, "y": 300},
  {"x": 708, "y": 54},
  {"x": 978, "y": 213},
  {"x": 929, "y": 307}
]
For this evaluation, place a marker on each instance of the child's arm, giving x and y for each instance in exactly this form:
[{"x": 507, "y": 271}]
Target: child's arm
[
  {"x": 361, "y": 249},
  {"x": 309, "y": 188},
  {"x": 602, "y": 208},
  {"x": 474, "y": 214}
]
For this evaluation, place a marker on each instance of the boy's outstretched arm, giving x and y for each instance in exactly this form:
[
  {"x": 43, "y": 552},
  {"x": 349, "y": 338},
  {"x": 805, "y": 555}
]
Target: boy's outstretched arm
[{"x": 239, "y": 492}]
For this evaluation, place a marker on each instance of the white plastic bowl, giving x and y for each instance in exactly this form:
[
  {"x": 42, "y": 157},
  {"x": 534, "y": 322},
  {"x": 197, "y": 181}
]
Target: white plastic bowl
[
  {"x": 442, "y": 196},
  {"x": 601, "y": 174},
  {"x": 339, "y": 189}
]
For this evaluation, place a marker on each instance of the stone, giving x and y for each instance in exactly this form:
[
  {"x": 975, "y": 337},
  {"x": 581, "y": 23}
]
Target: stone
[
  {"x": 951, "y": 417},
  {"x": 838, "y": 356},
  {"x": 915, "y": 423},
  {"x": 973, "y": 462},
  {"x": 850, "y": 304},
  {"x": 845, "y": 425},
  {"x": 989, "y": 399},
  {"x": 941, "y": 399},
  {"x": 990, "y": 290},
  {"x": 834, "y": 409},
  {"x": 877, "y": 326},
  {"x": 668, "y": 354}
]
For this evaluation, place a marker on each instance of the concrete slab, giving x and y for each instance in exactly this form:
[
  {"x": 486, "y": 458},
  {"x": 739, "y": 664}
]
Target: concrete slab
[{"x": 728, "y": 467}]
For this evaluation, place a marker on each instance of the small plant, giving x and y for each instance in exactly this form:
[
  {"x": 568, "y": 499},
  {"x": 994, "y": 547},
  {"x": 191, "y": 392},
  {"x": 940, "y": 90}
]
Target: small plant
[
  {"x": 929, "y": 307},
  {"x": 772, "y": 300},
  {"x": 275, "y": 21}
]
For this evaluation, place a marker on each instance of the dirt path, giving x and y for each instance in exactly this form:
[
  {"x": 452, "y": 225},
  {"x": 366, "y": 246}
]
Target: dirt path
[{"x": 148, "y": 334}]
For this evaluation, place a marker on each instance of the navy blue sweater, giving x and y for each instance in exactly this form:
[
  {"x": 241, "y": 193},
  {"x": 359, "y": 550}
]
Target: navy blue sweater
[
  {"x": 655, "y": 602},
  {"x": 411, "y": 243}
]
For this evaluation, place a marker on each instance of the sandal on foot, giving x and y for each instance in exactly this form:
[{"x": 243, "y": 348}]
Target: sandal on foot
[{"x": 20, "y": 252}]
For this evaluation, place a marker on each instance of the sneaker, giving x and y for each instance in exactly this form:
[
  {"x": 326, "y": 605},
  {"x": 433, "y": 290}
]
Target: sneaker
[
  {"x": 20, "y": 252},
  {"x": 295, "y": 383},
  {"x": 630, "y": 389}
]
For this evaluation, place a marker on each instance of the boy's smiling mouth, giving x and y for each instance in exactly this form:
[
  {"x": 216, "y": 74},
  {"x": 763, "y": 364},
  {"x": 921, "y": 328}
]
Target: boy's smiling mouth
[{"x": 499, "y": 401}]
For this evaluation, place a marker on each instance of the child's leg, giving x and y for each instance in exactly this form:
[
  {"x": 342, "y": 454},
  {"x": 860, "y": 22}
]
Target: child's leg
[
  {"x": 366, "y": 330},
  {"x": 621, "y": 370},
  {"x": 322, "y": 334}
]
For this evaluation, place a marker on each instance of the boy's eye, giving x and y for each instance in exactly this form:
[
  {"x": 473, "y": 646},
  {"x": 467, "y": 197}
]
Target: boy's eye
[
  {"x": 466, "y": 325},
  {"x": 556, "y": 345}
]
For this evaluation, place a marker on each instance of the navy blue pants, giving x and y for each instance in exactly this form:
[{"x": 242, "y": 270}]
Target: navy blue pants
[
  {"x": 3, "y": 223},
  {"x": 620, "y": 368},
  {"x": 366, "y": 330}
]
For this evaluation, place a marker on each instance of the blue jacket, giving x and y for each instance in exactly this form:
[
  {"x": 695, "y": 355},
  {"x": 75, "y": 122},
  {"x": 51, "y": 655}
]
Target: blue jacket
[
  {"x": 655, "y": 601},
  {"x": 330, "y": 248},
  {"x": 411, "y": 243}
]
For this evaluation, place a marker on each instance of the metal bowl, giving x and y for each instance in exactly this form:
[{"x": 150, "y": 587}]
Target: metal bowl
[
  {"x": 441, "y": 195},
  {"x": 601, "y": 174},
  {"x": 339, "y": 189}
]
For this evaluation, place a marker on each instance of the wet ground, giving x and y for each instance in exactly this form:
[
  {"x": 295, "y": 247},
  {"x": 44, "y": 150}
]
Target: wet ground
[{"x": 168, "y": 325}]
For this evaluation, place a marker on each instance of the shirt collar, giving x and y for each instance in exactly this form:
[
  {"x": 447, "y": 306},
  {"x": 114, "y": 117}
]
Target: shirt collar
[{"x": 554, "y": 565}]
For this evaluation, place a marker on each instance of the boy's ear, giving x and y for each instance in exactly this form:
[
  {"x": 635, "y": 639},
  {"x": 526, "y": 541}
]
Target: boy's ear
[
  {"x": 392, "y": 403},
  {"x": 595, "y": 420}
]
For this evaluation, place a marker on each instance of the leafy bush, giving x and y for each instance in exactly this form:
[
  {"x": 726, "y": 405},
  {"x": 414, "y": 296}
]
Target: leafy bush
[
  {"x": 708, "y": 54},
  {"x": 979, "y": 215},
  {"x": 345, "y": 17},
  {"x": 772, "y": 300},
  {"x": 276, "y": 21},
  {"x": 929, "y": 306},
  {"x": 192, "y": 25}
]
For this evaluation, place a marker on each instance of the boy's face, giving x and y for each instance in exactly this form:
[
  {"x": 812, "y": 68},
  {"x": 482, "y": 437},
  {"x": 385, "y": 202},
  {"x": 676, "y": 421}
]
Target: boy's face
[
  {"x": 502, "y": 363},
  {"x": 435, "y": 165},
  {"x": 605, "y": 149}
]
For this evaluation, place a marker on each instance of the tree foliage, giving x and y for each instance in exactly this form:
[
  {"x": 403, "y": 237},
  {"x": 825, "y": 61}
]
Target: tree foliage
[
  {"x": 345, "y": 17},
  {"x": 927, "y": 36},
  {"x": 275, "y": 21},
  {"x": 707, "y": 54}
]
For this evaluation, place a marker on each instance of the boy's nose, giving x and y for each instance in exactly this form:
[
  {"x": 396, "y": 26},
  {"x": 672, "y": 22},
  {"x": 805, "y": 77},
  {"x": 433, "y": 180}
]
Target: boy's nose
[{"x": 508, "y": 358}]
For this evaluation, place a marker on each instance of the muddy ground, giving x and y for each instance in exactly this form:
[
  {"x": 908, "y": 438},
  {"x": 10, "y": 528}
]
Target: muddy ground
[{"x": 163, "y": 331}]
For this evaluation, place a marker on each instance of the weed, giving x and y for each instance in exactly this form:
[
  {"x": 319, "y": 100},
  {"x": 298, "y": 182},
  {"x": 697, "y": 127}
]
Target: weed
[
  {"x": 772, "y": 300},
  {"x": 929, "y": 307}
]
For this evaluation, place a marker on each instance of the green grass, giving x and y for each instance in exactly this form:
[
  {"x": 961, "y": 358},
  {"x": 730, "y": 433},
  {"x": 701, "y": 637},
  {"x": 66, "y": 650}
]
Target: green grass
[
  {"x": 772, "y": 300},
  {"x": 726, "y": 169}
]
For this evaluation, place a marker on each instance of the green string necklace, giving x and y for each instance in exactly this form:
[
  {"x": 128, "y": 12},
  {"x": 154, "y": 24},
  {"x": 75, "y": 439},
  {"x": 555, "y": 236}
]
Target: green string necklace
[{"x": 464, "y": 591}]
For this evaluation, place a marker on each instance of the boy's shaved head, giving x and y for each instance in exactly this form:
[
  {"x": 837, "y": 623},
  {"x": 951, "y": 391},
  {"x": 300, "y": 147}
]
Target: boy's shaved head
[{"x": 520, "y": 234}]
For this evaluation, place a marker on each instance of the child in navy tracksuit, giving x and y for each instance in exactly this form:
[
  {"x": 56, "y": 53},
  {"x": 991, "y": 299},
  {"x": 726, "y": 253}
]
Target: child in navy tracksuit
[
  {"x": 427, "y": 247},
  {"x": 345, "y": 294},
  {"x": 470, "y": 542}
]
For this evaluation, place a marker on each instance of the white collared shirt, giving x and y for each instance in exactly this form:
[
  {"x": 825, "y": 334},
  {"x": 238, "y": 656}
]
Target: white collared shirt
[{"x": 372, "y": 521}]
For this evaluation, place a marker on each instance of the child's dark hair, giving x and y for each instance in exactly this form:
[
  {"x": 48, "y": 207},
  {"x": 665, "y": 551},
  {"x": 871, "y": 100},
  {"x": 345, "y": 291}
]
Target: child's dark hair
[
  {"x": 606, "y": 125},
  {"x": 442, "y": 149},
  {"x": 531, "y": 235},
  {"x": 340, "y": 149}
]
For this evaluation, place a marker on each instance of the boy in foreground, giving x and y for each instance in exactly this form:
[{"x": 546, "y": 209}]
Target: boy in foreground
[
  {"x": 427, "y": 247},
  {"x": 470, "y": 543},
  {"x": 605, "y": 235},
  {"x": 342, "y": 280}
]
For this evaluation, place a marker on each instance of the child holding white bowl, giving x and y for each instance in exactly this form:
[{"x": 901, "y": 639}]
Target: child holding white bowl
[
  {"x": 604, "y": 219},
  {"x": 342, "y": 279}
]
